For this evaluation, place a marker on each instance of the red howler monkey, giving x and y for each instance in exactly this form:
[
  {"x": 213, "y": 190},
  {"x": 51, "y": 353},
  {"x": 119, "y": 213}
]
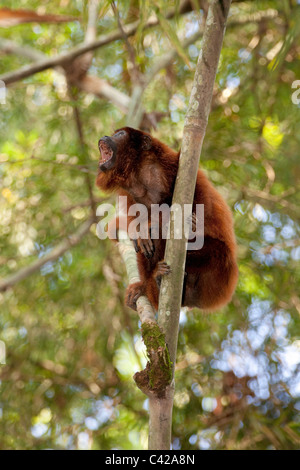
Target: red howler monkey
[{"x": 144, "y": 169}]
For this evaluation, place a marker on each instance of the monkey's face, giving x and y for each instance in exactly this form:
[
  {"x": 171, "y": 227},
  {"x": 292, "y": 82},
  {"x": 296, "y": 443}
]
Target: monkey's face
[
  {"x": 108, "y": 147},
  {"x": 114, "y": 148}
]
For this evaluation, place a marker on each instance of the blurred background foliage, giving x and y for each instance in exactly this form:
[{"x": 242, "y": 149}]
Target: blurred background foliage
[{"x": 71, "y": 345}]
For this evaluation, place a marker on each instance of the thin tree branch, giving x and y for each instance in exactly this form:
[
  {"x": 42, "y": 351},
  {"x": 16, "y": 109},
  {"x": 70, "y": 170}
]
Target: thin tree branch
[
  {"x": 91, "y": 29},
  {"x": 135, "y": 113},
  {"x": 77, "y": 68},
  {"x": 257, "y": 194},
  {"x": 136, "y": 76},
  {"x": 155, "y": 378},
  {"x": 128, "y": 253},
  {"x": 56, "y": 252},
  {"x": 68, "y": 57},
  {"x": 88, "y": 83},
  {"x": 102, "y": 89},
  {"x": 135, "y": 109},
  {"x": 83, "y": 64},
  {"x": 84, "y": 204},
  {"x": 10, "y": 47},
  {"x": 84, "y": 150},
  {"x": 82, "y": 168}
]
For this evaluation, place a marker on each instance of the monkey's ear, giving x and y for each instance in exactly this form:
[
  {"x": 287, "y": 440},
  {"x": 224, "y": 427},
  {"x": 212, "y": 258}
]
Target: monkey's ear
[{"x": 146, "y": 142}]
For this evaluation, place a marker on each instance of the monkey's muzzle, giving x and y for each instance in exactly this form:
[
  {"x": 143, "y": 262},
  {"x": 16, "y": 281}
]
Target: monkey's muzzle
[{"x": 107, "y": 148}]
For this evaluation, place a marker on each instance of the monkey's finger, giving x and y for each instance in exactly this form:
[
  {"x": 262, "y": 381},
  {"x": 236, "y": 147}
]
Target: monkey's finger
[
  {"x": 146, "y": 248},
  {"x": 136, "y": 297},
  {"x": 136, "y": 246},
  {"x": 130, "y": 302},
  {"x": 166, "y": 269},
  {"x": 149, "y": 248},
  {"x": 142, "y": 248},
  {"x": 163, "y": 268},
  {"x": 192, "y": 221},
  {"x": 152, "y": 246}
]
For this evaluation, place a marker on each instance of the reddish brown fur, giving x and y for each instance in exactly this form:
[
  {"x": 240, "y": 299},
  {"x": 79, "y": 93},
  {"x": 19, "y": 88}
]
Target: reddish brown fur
[{"x": 148, "y": 177}]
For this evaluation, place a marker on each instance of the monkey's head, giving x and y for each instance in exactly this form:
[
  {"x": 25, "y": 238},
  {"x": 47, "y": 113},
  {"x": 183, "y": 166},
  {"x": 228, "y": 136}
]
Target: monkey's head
[
  {"x": 125, "y": 146},
  {"x": 127, "y": 154}
]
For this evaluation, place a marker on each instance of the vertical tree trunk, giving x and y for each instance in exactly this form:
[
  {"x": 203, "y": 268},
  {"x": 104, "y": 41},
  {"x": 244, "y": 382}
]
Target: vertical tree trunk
[
  {"x": 160, "y": 415},
  {"x": 175, "y": 255}
]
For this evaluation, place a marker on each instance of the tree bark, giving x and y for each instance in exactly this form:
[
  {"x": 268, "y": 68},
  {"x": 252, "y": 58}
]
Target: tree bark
[
  {"x": 160, "y": 411},
  {"x": 193, "y": 136}
]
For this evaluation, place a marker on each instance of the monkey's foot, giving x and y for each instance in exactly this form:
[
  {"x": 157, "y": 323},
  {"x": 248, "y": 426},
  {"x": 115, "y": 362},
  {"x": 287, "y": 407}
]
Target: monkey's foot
[
  {"x": 162, "y": 269},
  {"x": 133, "y": 292}
]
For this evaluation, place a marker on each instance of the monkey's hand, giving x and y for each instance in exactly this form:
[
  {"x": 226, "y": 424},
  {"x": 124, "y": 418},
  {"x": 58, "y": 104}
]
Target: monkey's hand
[
  {"x": 162, "y": 269},
  {"x": 144, "y": 245}
]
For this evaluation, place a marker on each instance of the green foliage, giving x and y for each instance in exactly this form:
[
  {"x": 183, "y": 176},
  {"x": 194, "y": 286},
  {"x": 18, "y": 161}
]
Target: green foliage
[{"x": 71, "y": 345}]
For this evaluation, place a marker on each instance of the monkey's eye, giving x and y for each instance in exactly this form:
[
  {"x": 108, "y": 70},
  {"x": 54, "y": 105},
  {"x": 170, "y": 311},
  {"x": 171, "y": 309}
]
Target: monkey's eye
[{"x": 121, "y": 133}]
